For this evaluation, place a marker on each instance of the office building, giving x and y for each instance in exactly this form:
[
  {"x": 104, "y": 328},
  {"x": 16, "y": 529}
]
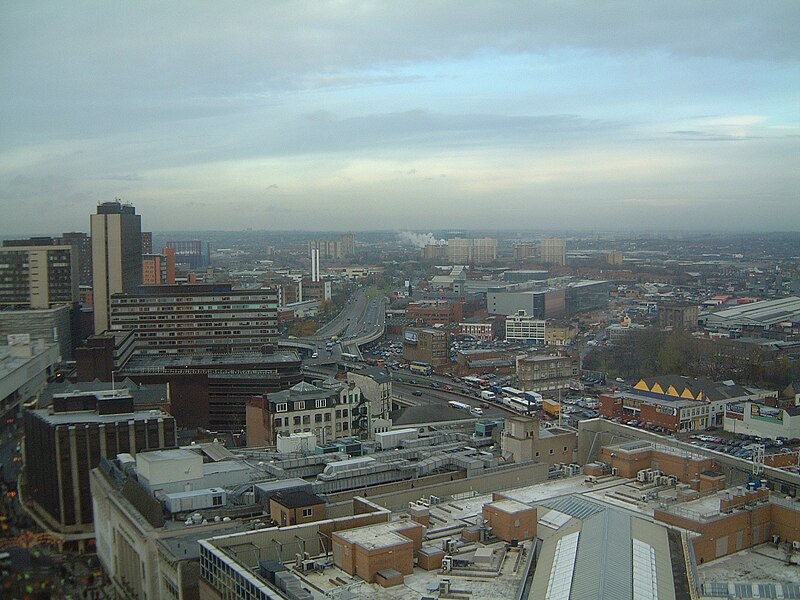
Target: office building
[
  {"x": 39, "y": 277},
  {"x": 547, "y": 374},
  {"x": 197, "y": 318},
  {"x": 147, "y": 242},
  {"x": 82, "y": 246},
  {"x": 206, "y": 390},
  {"x": 158, "y": 268},
  {"x": 191, "y": 254},
  {"x": 551, "y": 300},
  {"x": 64, "y": 441},
  {"x": 430, "y": 346},
  {"x": 116, "y": 257},
  {"x": 321, "y": 291},
  {"x": 553, "y": 251},
  {"x": 522, "y": 328},
  {"x": 482, "y": 329}
]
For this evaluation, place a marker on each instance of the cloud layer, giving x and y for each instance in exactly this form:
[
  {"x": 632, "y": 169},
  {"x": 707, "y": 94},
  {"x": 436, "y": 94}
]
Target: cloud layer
[{"x": 363, "y": 115}]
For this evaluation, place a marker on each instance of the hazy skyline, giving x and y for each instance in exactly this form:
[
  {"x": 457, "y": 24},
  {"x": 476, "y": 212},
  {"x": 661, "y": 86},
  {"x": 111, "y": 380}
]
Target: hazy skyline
[{"x": 382, "y": 115}]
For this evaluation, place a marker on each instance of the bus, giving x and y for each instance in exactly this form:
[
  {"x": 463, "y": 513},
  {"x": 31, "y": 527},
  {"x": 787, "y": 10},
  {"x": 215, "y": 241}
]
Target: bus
[
  {"x": 519, "y": 405},
  {"x": 511, "y": 391},
  {"x": 533, "y": 397},
  {"x": 349, "y": 357},
  {"x": 472, "y": 381},
  {"x": 457, "y": 404},
  {"x": 421, "y": 368}
]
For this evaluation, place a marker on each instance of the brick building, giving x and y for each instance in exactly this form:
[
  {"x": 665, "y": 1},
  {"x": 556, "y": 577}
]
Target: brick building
[
  {"x": 296, "y": 507},
  {"x": 677, "y": 403},
  {"x": 431, "y": 345},
  {"x": 546, "y": 373},
  {"x": 427, "y": 313}
]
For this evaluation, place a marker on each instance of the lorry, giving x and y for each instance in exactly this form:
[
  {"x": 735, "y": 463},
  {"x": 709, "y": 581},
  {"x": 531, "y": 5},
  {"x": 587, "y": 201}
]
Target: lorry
[{"x": 551, "y": 406}]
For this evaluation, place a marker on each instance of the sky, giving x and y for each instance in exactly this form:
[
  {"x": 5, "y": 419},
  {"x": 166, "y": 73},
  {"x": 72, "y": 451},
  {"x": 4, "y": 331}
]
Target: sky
[{"x": 280, "y": 115}]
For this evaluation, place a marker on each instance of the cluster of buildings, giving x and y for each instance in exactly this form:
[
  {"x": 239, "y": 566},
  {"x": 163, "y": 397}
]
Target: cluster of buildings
[
  {"x": 514, "y": 510},
  {"x": 462, "y": 251}
]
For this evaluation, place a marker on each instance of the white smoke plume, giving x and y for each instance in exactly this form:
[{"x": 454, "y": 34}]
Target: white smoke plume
[{"x": 419, "y": 240}]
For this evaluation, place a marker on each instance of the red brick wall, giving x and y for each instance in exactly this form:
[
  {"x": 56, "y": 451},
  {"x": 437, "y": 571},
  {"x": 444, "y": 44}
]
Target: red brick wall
[
  {"x": 649, "y": 414},
  {"x": 504, "y": 525},
  {"x": 750, "y": 527},
  {"x": 610, "y": 407}
]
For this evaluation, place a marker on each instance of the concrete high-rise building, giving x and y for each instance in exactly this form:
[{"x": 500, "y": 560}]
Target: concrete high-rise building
[
  {"x": 344, "y": 247},
  {"x": 197, "y": 318},
  {"x": 523, "y": 250},
  {"x": 82, "y": 245},
  {"x": 147, "y": 242},
  {"x": 471, "y": 250},
  {"x": 315, "y": 265},
  {"x": 553, "y": 251},
  {"x": 116, "y": 256},
  {"x": 38, "y": 276}
]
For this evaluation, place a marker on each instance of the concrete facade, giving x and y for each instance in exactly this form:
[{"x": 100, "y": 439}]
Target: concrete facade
[{"x": 116, "y": 232}]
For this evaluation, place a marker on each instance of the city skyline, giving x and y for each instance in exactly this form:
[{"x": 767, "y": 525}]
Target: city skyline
[{"x": 370, "y": 116}]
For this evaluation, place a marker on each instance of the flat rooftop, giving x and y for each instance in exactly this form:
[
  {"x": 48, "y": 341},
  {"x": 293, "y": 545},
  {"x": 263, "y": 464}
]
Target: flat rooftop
[
  {"x": 256, "y": 361},
  {"x": 88, "y": 416},
  {"x": 763, "y": 565},
  {"x": 9, "y": 364}
]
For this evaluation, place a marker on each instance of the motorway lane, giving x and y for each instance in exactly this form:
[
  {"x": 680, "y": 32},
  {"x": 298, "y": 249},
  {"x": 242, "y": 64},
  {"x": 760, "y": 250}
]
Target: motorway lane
[
  {"x": 438, "y": 396},
  {"x": 351, "y": 313}
]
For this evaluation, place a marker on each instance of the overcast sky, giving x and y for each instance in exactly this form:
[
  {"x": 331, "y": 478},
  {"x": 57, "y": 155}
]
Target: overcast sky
[{"x": 401, "y": 115}]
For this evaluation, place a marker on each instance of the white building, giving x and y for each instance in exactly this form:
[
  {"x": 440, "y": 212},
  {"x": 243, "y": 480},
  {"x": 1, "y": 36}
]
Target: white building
[
  {"x": 522, "y": 328},
  {"x": 764, "y": 421}
]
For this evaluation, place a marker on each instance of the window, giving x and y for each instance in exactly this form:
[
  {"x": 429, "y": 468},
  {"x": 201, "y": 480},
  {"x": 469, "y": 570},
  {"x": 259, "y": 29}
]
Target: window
[
  {"x": 282, "y": 407},
  {"x": 306, "y": 419},
  {"x": 297, "y": 420},
  {"x": 308, "y": 512},
  {"x": 321, "y": 403},
  {"x": 216, "y": 500},
  {"x": 551, "y": 451}
]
